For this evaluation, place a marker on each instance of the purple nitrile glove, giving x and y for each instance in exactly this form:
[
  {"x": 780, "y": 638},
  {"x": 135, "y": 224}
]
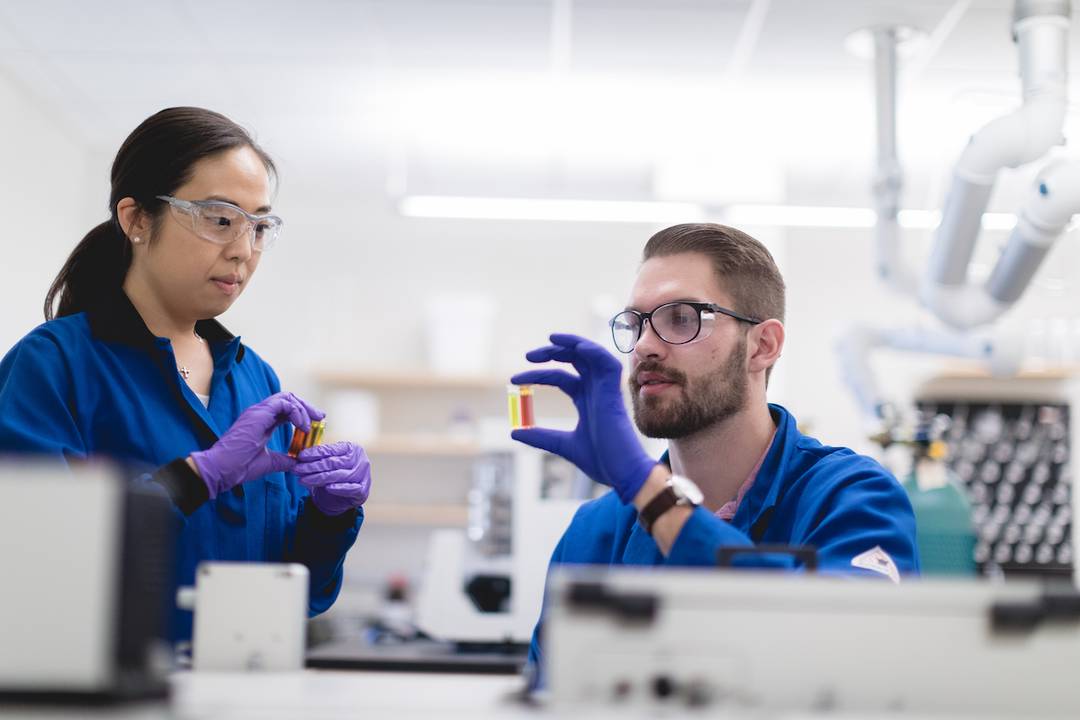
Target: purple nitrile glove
[
  {"x": 338, "y": 475},
  {"x": 604, "y": 444},
  {"x": 240, "y": 454}
]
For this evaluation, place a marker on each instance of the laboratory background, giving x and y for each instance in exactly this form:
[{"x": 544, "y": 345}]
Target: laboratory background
[{"x": 461, "y": 178}]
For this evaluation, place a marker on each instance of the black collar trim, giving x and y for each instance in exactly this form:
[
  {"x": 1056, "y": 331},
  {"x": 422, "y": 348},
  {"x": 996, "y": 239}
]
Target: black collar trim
[{"x": 115, "y": 319}]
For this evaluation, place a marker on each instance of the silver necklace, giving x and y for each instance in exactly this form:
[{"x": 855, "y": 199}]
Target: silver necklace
[{"x": 184, "y": 372}]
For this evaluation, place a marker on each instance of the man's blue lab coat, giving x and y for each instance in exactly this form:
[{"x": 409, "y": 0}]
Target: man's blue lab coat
[
  {"x": 98, "y": 383},
  {"x": 830, "y": 498}
]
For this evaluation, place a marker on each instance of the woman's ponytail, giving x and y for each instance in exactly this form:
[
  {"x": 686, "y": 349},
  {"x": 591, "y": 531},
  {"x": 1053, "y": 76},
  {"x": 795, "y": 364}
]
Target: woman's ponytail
[{"x": 95, "y": 270}]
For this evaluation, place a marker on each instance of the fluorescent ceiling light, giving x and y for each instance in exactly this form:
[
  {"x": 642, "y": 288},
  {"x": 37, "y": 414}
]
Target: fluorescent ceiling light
[
  {"x": 846, "y": 217},
  {"x": 436, "y": 206},
  {"x": 998, "y": 221},
  {"x": 918, "y": 219},
  {"x": 799, "y": 216},
  {"x": 929, "y": 220},
  {"x": 743, "y": 214}
]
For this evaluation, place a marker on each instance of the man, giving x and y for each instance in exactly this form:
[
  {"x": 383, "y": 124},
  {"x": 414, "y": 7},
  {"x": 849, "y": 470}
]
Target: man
[{"x": 704, "y": 328}]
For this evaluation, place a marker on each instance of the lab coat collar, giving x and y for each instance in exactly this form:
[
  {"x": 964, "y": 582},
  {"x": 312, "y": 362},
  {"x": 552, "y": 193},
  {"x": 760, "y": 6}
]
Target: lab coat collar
[
  {"x": 115, "y": 319},
  {"x": 763, "y": 495}
]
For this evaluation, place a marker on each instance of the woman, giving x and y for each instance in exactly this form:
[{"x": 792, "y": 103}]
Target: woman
[{"x": 134, "y": 367}]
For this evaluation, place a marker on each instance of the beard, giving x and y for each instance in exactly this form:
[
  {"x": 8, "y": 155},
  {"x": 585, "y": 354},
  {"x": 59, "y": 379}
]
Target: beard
[{"x": 701, "y": 402}]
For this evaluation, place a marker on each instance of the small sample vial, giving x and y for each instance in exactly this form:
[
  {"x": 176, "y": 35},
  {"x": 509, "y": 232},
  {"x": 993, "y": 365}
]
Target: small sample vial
[
  {"x": 513, "y": 405},
  {"x": 318, "y": 427},
  {"x": 302, "y": 440},
  {"x": 299, "y": 442},
  {"x": 519, "y": 400},
  {"x": 528, "y": 416}
]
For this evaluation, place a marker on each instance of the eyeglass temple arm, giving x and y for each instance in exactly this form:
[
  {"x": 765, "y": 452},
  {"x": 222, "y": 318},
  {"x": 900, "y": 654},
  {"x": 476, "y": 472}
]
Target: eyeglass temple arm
[{"x": 733, "y": 314}]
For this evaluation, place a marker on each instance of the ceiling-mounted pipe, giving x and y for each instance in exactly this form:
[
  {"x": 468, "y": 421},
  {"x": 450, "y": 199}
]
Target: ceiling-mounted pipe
[
  {"x": 1053, "y": 200},
  {"x": 889, "y": 179},
  {"x": 1040, "y": 29},
  {"x": 999, "y": 352}
]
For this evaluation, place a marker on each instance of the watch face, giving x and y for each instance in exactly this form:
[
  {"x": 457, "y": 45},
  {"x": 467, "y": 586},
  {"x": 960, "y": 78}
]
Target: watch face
[{"x": 686, "y": 490}]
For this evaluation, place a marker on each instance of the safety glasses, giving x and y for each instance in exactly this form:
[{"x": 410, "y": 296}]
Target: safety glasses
[{"x": 223, "y": 223}]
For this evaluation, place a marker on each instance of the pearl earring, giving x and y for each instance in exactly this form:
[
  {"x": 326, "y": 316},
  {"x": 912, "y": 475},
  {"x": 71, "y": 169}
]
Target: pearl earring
[{"x": 136, "y": 240}]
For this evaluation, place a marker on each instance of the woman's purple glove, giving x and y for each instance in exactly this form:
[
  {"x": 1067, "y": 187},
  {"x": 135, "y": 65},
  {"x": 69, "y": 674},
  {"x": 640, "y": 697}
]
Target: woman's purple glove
[
  {"x": 604, "y": 444},
  {"x": 338, "y": 475},
  {"x": 241, "y": 453}
]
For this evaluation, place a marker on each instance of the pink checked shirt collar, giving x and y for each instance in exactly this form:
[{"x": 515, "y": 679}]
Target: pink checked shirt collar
[{"x": 728, "y": 510}]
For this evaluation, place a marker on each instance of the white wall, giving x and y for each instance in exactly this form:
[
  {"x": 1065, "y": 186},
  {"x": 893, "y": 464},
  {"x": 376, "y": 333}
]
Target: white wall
[
  {"x": 347, "y": 287},
  {"x": 47, "y": 204}
]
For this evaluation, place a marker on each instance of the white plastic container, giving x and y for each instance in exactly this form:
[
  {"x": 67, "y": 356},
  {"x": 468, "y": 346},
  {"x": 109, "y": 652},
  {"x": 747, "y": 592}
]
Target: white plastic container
[
  {"x": 353, "y": 414},
  {"x": 460, "y": 331}
]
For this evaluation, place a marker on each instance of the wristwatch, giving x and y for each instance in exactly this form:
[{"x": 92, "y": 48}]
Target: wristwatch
[{"x": 679, "y": 490}]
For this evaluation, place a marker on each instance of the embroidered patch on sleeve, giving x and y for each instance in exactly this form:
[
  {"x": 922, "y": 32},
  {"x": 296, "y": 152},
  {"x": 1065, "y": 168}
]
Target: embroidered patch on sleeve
[{"x": 879, "y": 561}]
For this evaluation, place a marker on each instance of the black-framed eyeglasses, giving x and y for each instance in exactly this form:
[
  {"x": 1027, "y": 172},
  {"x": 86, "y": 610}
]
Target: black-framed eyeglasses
[{"x": 676, "y": 323}]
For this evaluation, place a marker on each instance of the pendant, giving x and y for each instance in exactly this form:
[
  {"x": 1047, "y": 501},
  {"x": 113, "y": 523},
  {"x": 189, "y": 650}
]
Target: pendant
[{"x": 185, "y": 372}]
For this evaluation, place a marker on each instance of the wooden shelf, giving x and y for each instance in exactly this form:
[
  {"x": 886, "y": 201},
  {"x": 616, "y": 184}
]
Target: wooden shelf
[
  {"x": 1055, "y": 385},
  {"x": 421, "y": 380},
  {"x": 427, "y": 445},
  {"x": 1028, "y": 369},
  {"x": 416, "y": 412},
  {"x": 391, "y": 380},
  {"x": 416, "y": 515}
]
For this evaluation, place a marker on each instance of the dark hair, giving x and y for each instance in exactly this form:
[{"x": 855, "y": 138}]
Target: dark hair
[
  {"x": 155, "y": 159},
  {"x": 744, "y": 266}
]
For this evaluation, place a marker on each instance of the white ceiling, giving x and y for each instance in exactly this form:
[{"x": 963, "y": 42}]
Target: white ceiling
[{"x": 467, "y": 95}]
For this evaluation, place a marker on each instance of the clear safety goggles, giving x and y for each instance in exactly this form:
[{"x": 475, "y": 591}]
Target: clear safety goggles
[{"x": 223, "y": 223}]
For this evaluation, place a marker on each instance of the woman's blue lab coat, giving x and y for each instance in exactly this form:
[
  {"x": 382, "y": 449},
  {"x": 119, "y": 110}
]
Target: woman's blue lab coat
[
  {"x": 829, "y": 498},
  {"x": 98, "y": 383}
]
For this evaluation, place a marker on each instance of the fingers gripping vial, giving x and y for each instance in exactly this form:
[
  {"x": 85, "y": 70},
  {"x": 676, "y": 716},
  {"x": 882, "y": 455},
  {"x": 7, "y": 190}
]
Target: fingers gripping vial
[
  {"x": 519, "y": 400},
  {"x": 302, "y": 440}
]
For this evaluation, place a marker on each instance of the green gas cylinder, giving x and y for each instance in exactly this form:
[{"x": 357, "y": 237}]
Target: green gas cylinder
[{"x": 944, "y": 531}]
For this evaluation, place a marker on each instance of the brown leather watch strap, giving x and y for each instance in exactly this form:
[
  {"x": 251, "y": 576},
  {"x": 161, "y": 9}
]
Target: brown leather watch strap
[{"x": 664, "y": 501}]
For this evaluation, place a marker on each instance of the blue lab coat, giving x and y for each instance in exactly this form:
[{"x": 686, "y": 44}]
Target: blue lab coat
[
  {"x": 98, "y": 383},
  {"x": 830, "y": 498}
]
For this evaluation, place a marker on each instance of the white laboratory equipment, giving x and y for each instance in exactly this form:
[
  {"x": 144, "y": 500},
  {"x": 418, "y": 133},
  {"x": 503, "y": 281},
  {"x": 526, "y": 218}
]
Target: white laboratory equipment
[
  {"x": 646, "y": 641},
  {"x": 87, "y": 583},
  {"x": 486, "y": 584},
  {"x": 248, "y": 616}
]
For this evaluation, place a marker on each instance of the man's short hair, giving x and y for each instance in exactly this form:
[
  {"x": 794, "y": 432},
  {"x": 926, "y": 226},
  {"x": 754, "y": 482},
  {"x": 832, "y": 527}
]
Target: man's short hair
[{"x": 743, "y": 265}]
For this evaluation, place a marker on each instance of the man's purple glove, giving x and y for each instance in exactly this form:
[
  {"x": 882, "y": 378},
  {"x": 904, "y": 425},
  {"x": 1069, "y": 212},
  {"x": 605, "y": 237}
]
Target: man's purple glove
[
  {"x": 604, "y": 444},
  {"x": 240, "y": 454},
  {"x": 338, "y": 475}
]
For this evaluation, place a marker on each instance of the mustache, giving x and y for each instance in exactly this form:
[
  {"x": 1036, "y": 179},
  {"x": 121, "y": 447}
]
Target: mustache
[{"x": 676, "y": 376}]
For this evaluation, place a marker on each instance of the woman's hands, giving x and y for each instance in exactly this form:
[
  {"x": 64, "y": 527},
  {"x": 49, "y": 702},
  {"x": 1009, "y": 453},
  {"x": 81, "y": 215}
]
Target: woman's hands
[
  {"x": 240, "y": 454},
  {"x": 338, "y": 475}
]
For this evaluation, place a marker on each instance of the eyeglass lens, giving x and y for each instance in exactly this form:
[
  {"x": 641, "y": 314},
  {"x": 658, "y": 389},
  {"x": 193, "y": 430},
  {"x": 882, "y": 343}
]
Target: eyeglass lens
[
  {"x": 675, "y": 323},
  {"x": 223, "y": 224}
]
